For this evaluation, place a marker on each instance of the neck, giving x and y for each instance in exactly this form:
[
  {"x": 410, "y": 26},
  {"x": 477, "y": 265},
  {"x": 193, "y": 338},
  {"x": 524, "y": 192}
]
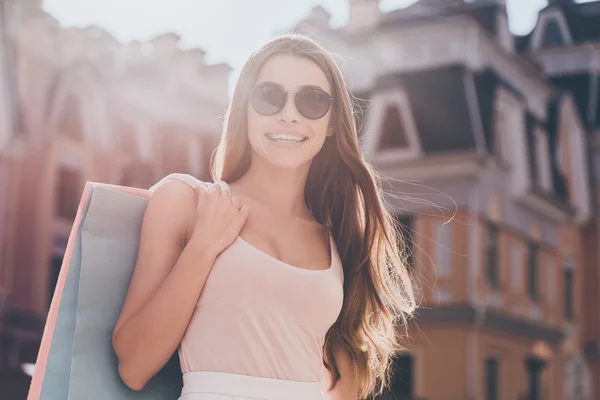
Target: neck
[{"x": 280, "y": 189}]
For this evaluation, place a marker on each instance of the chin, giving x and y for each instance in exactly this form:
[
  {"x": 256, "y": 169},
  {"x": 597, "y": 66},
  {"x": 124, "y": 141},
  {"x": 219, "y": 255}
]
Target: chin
[
  {"x": 289, "y": 160},
  {"x": 286, "y": 161}
]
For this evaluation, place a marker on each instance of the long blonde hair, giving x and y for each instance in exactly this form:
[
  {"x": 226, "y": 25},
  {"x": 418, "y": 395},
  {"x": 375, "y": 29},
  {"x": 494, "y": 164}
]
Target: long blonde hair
[{"x": 342, "y": 192}]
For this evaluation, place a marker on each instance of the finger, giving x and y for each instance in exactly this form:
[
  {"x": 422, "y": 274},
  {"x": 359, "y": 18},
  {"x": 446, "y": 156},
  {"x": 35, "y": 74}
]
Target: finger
[
  {"x": 225, "y": 191},
  {"x": 200, "y": 196},
  {"x": 232, "y": 208},
  {"x": 215, "y": 187},
  {"x": 236, "y": 202},
  {"x": 239, "y": 219},
  {"x": 214, "y": 192}
]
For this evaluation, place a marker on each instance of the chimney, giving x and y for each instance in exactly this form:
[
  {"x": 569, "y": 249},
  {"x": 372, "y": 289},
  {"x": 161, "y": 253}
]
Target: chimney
[
  {"x": 363, "y": 14},
  {"x": 320, "y": 17}
]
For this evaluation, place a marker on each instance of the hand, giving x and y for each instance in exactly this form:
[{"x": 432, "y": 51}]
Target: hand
[{"x": 220, "y": 217}]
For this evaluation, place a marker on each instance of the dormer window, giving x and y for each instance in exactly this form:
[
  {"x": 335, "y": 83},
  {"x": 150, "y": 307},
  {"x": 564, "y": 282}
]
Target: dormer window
[
  {"x": 552, "y": 35},
  {"x": 552, "y": 31},
  {"x": 393, "y": 135}
]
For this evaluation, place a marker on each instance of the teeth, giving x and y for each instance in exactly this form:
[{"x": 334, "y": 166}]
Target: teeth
[{"x": 280, "y": 136}]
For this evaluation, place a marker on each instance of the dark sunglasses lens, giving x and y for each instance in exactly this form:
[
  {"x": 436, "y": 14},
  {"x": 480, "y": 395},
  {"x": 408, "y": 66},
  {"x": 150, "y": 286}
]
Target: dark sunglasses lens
[
  {"x": 267, "y": 100},
  {"x": 313, "y": 103}
]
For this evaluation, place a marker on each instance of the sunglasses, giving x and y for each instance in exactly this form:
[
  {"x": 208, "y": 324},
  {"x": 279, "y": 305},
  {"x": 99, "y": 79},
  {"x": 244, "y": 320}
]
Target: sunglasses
[{"x": 269, "y": 99}]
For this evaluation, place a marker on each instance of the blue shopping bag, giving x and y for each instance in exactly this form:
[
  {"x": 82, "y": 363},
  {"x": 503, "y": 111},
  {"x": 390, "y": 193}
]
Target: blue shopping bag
[{"x": 76, "y": 360}]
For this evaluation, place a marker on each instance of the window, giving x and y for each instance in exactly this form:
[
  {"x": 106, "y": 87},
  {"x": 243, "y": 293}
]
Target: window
[
  {"x": 401, "y": 385},
  {"x": 531, "y": 151},
  {"x": 68, "y": 192},
  {"x": 69, "y": 124},
  {"x": 550, "y": 279},
  {"x": 534, "y": 367},
  {"x": 393, "y": 135},
  {"x": 406, "y": 244},
  {"x": 55, "y": 265},
  {"x": 552, "y": 35},
  {"x": 561, "y": 190},
  {"x": 491, "y": 255},
  {"x": 517, "y": 273},
  {"x": 532, "y": 271},
  {"x": 501, "y": 131},
  {"x": 542, "y": 155},
  {"x": 569, "y": 303},
  {"x": 443, "y": 259},
  {"x": 491, "y": 379},
  {"x": 508, "y": 125}
]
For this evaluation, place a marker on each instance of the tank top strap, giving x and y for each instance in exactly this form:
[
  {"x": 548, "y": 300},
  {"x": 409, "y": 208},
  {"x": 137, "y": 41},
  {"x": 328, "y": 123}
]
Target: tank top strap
[{"x": 192, "y": 181}]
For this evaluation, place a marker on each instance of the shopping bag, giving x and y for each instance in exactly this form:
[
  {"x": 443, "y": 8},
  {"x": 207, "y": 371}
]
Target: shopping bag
[{"x": 76, "y": 360}]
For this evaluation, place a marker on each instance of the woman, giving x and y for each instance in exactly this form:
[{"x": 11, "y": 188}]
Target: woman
[{"x": 244, "y": 276}]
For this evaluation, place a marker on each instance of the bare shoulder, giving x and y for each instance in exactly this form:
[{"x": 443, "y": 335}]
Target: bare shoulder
[{"x": 172, "y": 206}]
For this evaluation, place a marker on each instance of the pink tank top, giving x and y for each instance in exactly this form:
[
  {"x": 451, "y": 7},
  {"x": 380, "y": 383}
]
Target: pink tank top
[{"x": 262, "y": 317}]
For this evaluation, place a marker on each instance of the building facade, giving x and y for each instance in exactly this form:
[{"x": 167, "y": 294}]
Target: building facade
[
  {"x": 487, "y": 163},
  {"x": 565, "y": 44},
  {"x": 84, "y": 107}
]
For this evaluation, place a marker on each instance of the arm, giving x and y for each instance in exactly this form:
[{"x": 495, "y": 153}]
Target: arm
[
  {"x": 347, "y": 386},
  {"x": 167, "y": 281}
]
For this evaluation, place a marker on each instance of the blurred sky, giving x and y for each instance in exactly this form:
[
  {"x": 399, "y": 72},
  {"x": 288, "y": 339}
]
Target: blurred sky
[{"x": 228, "y": 30}]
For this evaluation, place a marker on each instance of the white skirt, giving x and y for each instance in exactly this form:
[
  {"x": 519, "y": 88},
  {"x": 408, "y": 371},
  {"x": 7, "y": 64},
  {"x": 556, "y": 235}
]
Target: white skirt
[{"x": 223, "y": 386}]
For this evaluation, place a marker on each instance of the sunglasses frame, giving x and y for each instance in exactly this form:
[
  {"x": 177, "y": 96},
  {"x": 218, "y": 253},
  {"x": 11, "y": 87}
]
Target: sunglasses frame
[{"x": 286, "y": 98}]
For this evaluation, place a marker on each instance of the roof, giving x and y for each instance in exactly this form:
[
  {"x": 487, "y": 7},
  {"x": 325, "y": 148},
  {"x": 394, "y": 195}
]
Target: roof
[
  {"x": 443, "y": 122},
  {"x": 484, "y": 12},
  {"x": 446, "y": 118},
  {"x": 583, "y": 19}
]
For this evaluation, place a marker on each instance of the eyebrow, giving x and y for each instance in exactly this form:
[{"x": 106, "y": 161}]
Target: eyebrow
[{"x": 303, "y": 87}]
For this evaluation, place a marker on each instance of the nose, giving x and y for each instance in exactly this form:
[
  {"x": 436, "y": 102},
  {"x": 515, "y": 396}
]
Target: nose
[{"x": 289, "y": 112}]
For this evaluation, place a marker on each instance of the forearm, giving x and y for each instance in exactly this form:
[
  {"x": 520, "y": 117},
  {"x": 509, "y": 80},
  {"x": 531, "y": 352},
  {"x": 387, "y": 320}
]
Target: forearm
[{"x": 148, "y": 339}]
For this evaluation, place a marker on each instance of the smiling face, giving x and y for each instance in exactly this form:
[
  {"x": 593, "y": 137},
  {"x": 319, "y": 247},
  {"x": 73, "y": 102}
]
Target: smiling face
[{"x": 289, "y": 137}]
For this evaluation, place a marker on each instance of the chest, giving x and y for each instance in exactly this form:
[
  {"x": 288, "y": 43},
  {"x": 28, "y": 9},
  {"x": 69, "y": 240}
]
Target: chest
[
  {"x": 298, "y": 243},
  {"x": 244, "y": 277}
]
